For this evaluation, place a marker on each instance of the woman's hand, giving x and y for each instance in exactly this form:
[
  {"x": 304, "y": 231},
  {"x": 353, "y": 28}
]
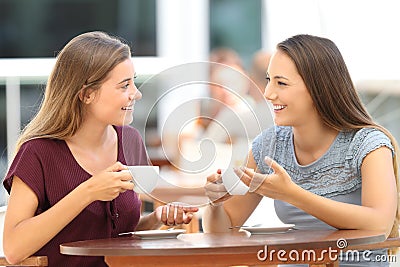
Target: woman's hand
[
  {"x": 215, "y": 190},
  {"x": 175, "y": 213},
  {"x": 108, "y": 184},
  {"x": 276, "y": 185}
]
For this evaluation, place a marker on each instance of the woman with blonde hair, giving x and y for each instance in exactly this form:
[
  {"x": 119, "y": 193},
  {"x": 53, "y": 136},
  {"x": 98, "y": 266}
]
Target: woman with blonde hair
[
  {"x": 325, "y": 163},
  {"x": 66, "y": 181}
]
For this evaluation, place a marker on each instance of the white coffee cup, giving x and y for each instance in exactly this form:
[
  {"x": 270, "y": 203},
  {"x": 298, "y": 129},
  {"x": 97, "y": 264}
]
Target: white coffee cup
[
  {"x": 232, "y": 182},
  {"x": 144, "y": 178}
]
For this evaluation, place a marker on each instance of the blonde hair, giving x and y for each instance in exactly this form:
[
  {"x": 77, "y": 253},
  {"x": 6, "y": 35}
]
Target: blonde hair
[
  {"x": 82, "y": 65},
  {"x": 324, "y": 72}
]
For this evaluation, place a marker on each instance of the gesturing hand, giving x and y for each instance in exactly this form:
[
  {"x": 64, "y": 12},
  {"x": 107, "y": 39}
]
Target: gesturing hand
[
  {"x": 276, "y": 185},
  {"x": 215, "y": 190}
]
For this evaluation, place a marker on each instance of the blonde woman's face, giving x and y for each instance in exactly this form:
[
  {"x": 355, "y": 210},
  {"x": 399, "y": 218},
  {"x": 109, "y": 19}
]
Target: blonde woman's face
[
  {"x": 114, "y": 102},
  {"x": 292, "y": 103}
]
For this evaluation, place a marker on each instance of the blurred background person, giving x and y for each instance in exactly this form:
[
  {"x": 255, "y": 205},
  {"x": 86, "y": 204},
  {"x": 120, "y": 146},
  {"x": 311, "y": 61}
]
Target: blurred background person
[
  {"x": 243, "y": 112},
  {"x": 258, "y": 74},
  {"x": 210, "y": 140},
  {"x": 228, "y": 119},
  {"x": 226, "y": 85}
]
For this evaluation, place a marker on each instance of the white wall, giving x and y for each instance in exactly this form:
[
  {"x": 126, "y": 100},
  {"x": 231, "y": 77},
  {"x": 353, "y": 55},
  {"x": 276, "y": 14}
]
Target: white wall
[{"x": 366, "y": 31}]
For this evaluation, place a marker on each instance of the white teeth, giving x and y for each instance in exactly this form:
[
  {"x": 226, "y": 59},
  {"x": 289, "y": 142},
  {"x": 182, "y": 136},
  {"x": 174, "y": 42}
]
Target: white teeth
[
  {"x": 278, "y": 107},
  {"x": 130, "y": 107}
]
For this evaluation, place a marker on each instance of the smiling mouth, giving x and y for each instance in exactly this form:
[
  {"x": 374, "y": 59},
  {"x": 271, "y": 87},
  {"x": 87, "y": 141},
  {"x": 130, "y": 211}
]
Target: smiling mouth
[
  {"x": 279, "y": 107},
  {"x": 127, "y": 108}
]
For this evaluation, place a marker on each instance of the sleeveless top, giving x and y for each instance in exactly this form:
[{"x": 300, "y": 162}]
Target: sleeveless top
[
  {"x": 48, "y": 167},
  {"x": 335, "y": 175}
]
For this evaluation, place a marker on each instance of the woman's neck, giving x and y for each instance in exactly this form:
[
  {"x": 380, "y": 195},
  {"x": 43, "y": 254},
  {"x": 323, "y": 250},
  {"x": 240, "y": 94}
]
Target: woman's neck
[
  {"x": 94, "y": 148},
  {"x": 312, "y": 141},
  {"x": 92, "y": 137}
]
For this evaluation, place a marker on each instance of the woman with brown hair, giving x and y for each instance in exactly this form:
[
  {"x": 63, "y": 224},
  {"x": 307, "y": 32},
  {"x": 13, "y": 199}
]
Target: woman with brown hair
[
  {"x": 66, "y": 181},
  {"x": 325, "y": 163}
]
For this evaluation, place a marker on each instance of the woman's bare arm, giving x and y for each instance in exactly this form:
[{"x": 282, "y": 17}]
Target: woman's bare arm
[
  {"x": 379, "y": 195},
  {"x": 25, "y": 233}
]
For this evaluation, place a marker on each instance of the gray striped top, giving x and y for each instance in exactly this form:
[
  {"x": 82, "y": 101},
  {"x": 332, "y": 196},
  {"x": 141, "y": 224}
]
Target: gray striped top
[{"x": 335, "y": 175}]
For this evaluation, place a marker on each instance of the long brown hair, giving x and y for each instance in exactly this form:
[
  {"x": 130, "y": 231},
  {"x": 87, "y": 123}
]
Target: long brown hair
[
  {"x": 324, "y": 72},
  {"x": 83, "y": 64}
]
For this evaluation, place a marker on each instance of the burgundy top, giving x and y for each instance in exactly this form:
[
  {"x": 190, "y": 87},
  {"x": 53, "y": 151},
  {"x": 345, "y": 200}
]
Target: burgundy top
[{"x": 48, "y": 167}]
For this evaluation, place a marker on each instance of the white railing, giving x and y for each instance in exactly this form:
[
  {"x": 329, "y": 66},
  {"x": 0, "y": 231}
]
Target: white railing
[{"x": 14, "y": 72}]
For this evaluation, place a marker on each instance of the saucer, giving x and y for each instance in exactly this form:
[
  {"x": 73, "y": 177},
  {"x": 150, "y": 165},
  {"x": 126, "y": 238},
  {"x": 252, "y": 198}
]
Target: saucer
[
  {"x": 156, "y": 234},
  {"x": 260, "y": 230}
]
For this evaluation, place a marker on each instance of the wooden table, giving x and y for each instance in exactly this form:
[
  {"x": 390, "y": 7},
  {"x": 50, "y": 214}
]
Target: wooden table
[{"x": 318, "y": 247}]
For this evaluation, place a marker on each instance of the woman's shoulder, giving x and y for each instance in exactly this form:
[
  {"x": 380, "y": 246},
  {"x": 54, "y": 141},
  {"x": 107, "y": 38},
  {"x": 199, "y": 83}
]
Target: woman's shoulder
[
  {"x": 41, "y": 149},
  {"x": 41, "y": 144},
  {"x": 363, "y": 141},
  {"x": 370, "y": 132},
  {"x": 367, "y": 135}
]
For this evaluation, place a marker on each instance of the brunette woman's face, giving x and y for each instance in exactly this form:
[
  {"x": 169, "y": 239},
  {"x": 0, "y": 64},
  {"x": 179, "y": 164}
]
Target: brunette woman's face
[
  {"x": 114, "y": 102},
  {"x": 292, "y": 102}
]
